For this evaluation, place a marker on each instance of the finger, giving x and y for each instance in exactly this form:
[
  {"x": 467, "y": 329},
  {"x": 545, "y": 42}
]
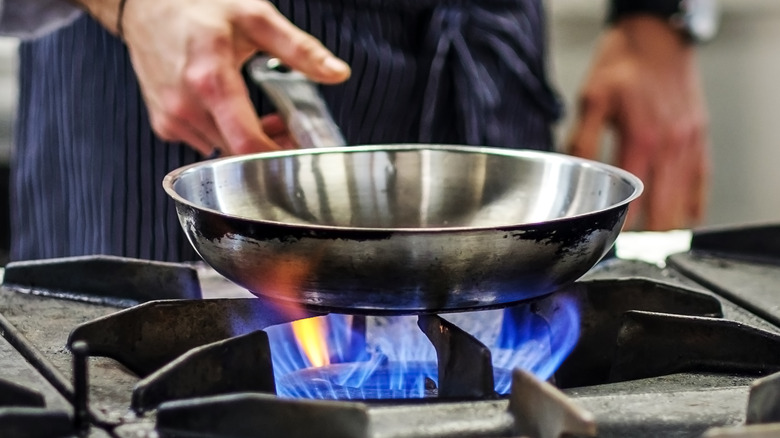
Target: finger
[
  {"x": 700, "y": 178},
  {"x": 669, "y": 200},
  {"x": 635, "y": 155},
  {"x": 171, "y": 129},
  {"x": 272, "y": 32},
  {"x": 168, "y": 116},
  {"x": 585, "y": 139},
  {"x": 273, "y": 125},
  {"x": 202, "y": 125},
  {"x": 689, "y": 180},
  {"x": 285, "y": 142},
  {"x": 176, "y": 114},
  {"x": 666, "y": 201},
  {"x": 223, "y": 92}
]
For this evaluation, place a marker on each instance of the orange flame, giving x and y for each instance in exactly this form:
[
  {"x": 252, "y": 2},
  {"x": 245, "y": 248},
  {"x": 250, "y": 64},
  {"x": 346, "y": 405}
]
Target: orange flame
[
  {"x": 285, "y": 277},
  {"x": 310, "y": 334}
]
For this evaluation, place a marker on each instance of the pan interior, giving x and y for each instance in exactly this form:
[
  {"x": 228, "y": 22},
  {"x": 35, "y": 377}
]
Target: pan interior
[{"x": 405, "y": 188}]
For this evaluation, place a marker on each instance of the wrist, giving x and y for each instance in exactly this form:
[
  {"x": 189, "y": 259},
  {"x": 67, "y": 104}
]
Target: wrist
[
  {"x": 652, "y": 35},
  {"x": 696, "y": 20},
  {"x": 619, "y": 9},
  {"x": 106, "y": 12}
]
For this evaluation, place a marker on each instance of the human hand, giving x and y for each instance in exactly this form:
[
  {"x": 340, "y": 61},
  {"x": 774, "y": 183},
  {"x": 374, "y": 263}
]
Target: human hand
[
  {"x": 644, "y": 83},
  {"x": 187, "y": 55},
  {"x": 276, "y": 129}
]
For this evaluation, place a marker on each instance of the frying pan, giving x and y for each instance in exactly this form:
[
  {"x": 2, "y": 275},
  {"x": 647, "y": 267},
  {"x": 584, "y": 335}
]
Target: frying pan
[{"x": 387, "y": 229}]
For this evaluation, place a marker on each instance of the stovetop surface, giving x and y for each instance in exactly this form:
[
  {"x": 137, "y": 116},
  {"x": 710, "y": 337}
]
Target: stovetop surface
[{"x": 680, "y": 404}]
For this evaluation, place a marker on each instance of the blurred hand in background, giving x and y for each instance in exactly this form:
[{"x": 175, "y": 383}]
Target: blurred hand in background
[{"x": 644, "y": 85}]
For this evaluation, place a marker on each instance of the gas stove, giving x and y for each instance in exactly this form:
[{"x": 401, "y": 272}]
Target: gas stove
[{"x": 104, "y": 346}]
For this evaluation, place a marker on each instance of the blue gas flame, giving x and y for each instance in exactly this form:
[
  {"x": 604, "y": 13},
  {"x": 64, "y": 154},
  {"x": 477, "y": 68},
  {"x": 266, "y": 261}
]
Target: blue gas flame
[{"x": 392, "y": 358}]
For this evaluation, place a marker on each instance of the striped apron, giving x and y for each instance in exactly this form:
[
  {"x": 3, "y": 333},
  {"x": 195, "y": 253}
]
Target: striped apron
[{"x": 87, "y": 167}]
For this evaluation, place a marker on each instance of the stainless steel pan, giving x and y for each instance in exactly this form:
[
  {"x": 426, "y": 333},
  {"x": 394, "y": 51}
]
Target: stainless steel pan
[{"x": 400, "y": 228}]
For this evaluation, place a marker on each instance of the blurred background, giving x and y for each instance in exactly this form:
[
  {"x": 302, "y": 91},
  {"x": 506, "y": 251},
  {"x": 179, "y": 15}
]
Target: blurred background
[
  {"x": 741, "y": 75},
  {"x": 8, "y": 93},
  {"x": 741, "y": 72}
]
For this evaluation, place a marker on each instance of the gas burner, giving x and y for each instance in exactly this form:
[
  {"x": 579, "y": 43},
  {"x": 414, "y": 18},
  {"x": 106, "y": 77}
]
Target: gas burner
[
  {"x": 380, "y": 379},
  {"x": 655, "y": 352}
]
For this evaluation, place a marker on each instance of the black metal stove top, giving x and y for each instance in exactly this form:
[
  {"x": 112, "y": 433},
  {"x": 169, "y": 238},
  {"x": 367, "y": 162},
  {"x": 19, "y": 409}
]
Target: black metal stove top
[{"x": 662, "y": 352}]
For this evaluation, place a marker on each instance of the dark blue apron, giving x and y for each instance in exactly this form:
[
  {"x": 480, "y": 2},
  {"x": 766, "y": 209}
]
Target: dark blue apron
[{"x": 88, "y": 169}]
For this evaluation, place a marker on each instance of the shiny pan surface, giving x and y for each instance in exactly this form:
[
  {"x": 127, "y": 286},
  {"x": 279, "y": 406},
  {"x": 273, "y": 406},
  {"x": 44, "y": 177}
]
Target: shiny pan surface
[{"x": 402, "y": 228}]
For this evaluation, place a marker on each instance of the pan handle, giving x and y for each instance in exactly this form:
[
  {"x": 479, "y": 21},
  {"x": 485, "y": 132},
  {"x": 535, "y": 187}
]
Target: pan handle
[{"x": 298, "y": 102}]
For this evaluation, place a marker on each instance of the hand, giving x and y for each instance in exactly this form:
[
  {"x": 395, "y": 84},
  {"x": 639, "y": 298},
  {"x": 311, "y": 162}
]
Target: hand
[
  {"x": 275, "y": 128},
  {"x": 187, "y": 55},
  {"x": 644, "y": 83}
]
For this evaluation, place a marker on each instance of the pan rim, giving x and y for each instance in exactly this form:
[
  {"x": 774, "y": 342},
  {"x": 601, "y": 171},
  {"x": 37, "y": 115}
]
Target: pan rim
[{"x": 632, "y": 180}]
